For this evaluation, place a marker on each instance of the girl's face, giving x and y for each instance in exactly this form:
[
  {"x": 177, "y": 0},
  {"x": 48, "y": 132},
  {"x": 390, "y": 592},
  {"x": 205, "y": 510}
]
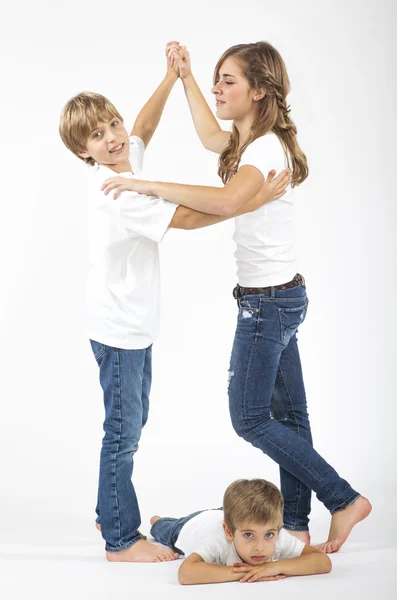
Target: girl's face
[{"x": 234, "y": 97}]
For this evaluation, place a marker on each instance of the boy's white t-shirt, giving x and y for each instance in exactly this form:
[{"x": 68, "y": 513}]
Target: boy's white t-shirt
[
  {"x": 123, "y": 287},
  {"x": 265, "y": 250},
  {"x": 204, "y": 535}
]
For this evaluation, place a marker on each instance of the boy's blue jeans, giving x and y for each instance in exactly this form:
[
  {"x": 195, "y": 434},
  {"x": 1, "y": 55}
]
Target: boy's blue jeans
[
  {"x": 268, "y": 403},
  {"x": 125, "y": 377},
  {"x": 167, "y": 529}
]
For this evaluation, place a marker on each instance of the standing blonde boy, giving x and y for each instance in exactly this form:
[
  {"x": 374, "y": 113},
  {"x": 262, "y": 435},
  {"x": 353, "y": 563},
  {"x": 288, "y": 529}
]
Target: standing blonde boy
[{"x": 123, "y": 294}]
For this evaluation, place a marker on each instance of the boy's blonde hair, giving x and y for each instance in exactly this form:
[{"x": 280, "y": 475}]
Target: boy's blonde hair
[
  {"x": 80, "y": 116},
  {"x": 252, "y": 501}
]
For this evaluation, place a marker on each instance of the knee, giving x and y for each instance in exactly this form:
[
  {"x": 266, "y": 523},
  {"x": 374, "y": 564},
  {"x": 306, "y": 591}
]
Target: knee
[{"x": 247, "y": 427}]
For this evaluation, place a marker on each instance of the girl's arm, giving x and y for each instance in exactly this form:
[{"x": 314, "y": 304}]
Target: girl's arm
[
  {"x": 272, "y": 189},
  {"x": 211, "y": 135},
  {"x": 225, "y": 201},
  {"x": 310, "y": 562},
  {"x": 149, "y": 117}
]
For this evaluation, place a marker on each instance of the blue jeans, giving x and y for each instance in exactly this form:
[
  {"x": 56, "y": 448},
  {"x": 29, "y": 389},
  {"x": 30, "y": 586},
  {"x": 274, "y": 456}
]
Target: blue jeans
[
  {"x": 167, "y": 529},
  {"x": 268, "y": 403},
  {"x": 125, "y": 377}
]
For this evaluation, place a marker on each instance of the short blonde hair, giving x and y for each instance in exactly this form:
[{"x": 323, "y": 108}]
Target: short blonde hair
[
  {"x": 252, "y": 500},
  {"x": 80, "y": 116}
]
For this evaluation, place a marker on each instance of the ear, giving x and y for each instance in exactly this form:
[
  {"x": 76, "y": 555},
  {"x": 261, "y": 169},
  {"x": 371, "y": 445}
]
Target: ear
[
  {"x": 259, "y": 94},
  {"x": 84, "y": 154},
  {"x": 227, "y": 531}
]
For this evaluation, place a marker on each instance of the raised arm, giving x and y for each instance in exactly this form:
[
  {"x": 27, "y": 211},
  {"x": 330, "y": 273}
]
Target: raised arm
[
  {"x": 149, "y": 117},
  {"x": 211, "y": 135}
]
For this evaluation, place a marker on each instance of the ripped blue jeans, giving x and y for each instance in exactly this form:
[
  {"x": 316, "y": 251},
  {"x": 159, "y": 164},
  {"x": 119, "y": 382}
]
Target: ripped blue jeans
[{"x": 267, "y": 402}]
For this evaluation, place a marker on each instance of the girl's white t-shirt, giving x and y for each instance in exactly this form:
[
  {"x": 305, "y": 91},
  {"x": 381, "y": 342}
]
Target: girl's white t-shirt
[
  {"x": 204, "y": 535},
  {"x": 265, "y": 250},
  {"x": 123, "y": 287}
]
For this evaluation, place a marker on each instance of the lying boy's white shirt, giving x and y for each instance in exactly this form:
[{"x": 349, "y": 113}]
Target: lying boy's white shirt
[
  {"x": 123, "y": 287},
  {"x": 204, "y": 535}
]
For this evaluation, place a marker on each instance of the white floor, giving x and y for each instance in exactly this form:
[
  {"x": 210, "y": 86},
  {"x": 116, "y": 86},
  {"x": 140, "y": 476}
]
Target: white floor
[{"x": 64, "y": 565}]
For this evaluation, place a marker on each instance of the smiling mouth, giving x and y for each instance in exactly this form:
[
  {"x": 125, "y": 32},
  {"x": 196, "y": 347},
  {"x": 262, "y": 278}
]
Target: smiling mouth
[
  {"x": 117, "y": 149},
  {"x": 258, "y": 558}
]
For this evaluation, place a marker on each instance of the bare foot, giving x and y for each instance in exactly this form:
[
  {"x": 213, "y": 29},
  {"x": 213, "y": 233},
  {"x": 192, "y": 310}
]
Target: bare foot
[
  {"x": 342, "y": 522},
  {"x": 144, "y": 537},
  {"x": 142, "y": 551},
  {"x": 303, "y": 536},
  {"x": 154, "y": 519}
]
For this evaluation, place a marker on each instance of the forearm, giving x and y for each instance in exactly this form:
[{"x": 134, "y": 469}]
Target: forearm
[
  {"x": 202, "y": 572},
  {"x": 187, "y": 218},
  {"x": 150, "y": 115},
  {"x": 306, "y": 564},
  {"x": 206, "y": 199},
  {"x": 204, "y": 121}
]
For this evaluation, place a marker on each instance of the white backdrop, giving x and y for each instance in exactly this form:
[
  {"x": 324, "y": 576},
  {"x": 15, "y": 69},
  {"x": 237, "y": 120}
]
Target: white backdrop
[{"x": 339, "y": 58}]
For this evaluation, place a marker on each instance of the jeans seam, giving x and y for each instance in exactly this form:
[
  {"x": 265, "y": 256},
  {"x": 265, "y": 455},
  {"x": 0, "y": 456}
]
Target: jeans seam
[
  {"x": 118, "y": 388},
  {"x": 291, "y": 407}
]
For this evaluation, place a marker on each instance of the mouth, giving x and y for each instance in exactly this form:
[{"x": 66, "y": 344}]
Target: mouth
[
  {"x": 219, "y": 103},
  {"x": 258, "y": 558},
  {"x": 117, "y": 149}
]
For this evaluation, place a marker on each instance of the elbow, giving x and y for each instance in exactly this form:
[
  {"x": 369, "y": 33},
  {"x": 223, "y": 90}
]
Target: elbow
[
  {"x": 230, "y": 205},
  {"x": 183, "y": 576},
  {"x": 328, "y": 565}
]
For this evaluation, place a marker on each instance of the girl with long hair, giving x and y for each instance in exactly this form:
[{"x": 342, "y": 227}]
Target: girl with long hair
[{"x": 266, "y": 391}]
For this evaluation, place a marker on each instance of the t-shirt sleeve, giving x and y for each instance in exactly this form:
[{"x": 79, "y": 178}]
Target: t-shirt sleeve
[
  {"x": 289, "y": 545},
  {"x": 146, "y": 216},
  {"x": 265, "y": 153},
  {"x": 137, "y": 151}
]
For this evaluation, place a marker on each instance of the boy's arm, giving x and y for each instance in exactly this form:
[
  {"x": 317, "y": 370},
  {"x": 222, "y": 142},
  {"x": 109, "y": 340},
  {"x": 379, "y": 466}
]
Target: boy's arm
[
  {"x": 210, "y": 133},
  {"x": 194, "y": 570},
  {"x": 310, "y": 562},
  {"x": 149, "y": 117}
]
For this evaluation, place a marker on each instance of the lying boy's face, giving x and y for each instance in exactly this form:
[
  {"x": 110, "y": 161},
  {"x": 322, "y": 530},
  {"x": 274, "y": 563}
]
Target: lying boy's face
[
  {"x": 254, "y": 543},
  {"x": 108, "y": 143}
]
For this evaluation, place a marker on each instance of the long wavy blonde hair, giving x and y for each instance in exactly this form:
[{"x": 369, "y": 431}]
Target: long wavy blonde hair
[{"x": 263, "y": 67}]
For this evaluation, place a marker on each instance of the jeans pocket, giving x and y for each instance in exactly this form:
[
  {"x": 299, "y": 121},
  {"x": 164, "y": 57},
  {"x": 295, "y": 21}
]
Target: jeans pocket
[
  {"x": 290, "y": 319},
  {"x": 98, "y": 350}
]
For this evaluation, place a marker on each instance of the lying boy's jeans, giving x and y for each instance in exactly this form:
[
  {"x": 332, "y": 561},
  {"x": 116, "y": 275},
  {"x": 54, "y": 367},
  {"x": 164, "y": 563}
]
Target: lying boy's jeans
[
  {"x": 125, "y": 377},
  {"x": 268, "y": 403},
  {"x": 167, "y": 529}
]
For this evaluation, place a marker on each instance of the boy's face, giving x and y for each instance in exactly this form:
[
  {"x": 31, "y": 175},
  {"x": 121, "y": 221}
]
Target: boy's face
[
  {"x": 108, "y": 144},
  {"x": 254, "y": 543}
]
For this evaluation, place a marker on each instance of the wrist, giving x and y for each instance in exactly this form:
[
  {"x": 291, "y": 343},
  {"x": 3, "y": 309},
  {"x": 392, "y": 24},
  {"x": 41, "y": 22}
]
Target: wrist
[
  {"x": 187, "y": 79},
  {"x": 171, "y": 77}
]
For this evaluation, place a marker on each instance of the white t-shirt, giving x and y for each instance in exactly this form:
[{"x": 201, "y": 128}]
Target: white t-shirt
[
  {"x": 123, "y": 288},
  {"x": 265, "y": 251},
  {"x": 204, "y": 535}
]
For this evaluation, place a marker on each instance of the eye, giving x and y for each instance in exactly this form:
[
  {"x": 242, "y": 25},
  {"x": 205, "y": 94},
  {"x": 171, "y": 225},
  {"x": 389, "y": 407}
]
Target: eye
[
  {"x": 229, "y": 82},
  {"x": 115, "y": 123},
  {"x": 96, "y": 134},
  {"x": 269, "y": 535},
  {"x": 248, "y": 535}
]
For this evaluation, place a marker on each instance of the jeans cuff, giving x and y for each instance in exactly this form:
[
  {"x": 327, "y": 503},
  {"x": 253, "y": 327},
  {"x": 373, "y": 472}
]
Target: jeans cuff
[
  {"x": 296, "y": 527},
  {"x": 347, "y": 503},
  {"x": 134, "y": 540}
]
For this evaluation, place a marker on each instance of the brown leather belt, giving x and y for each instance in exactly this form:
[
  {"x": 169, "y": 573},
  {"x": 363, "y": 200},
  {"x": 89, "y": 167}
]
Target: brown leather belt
[{"x": 244, "y": 291}]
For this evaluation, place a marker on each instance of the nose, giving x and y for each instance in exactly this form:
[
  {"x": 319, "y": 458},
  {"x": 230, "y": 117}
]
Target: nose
[{"x": 215, "y": 89}]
